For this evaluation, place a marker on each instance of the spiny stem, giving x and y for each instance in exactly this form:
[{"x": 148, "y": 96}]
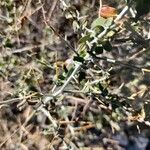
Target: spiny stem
[{"x": 77, "y": 67}]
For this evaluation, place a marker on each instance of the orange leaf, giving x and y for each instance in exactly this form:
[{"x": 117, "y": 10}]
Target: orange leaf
[{"x": 107, "y": 11}]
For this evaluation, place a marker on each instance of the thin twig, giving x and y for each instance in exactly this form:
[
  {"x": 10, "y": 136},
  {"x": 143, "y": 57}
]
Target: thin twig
[
  {"x": 10, "y": 101},
  {"x": 26, "y": 8},
  {"x": 100, "y": 7},
  {"x": 50, "y": 97},
  {"x": 46, "y": 113},
  {"x": 110, "y": 60},
  {"x": 27, "y": 48},
  {"x": 52, "y": 9},
  {"x": 136, "y": 54}
]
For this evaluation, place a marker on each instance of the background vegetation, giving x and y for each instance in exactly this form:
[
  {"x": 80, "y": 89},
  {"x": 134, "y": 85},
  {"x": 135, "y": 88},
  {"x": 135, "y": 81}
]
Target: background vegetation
[{"x": 72, "y": 79}]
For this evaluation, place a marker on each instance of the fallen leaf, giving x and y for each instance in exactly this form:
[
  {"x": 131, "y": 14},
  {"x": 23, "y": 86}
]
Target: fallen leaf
[{"x": 107, "y": 11}]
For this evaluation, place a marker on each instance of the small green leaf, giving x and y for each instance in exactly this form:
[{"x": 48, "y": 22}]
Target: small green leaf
[
  {"x": 107, "y": 46},
  {"x": 103, "y": 90},
  {"x": 98, "y": 22},
  {"x": 102, "y": 22},
  {"x": 8, "y": 44},
  {"x": 84, "y": 38},
  {"x": 82, "y": 75},
  {"x": 101, "y": 87},
  {"x": 61, "y": 77},
  {"x": 108, "y": 22},
  {"x": 79, "y": 59},
  {"x": 97, "y": 49}
]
